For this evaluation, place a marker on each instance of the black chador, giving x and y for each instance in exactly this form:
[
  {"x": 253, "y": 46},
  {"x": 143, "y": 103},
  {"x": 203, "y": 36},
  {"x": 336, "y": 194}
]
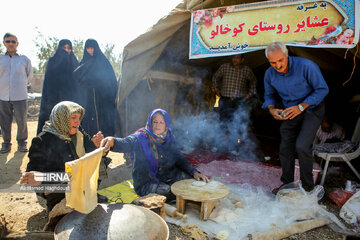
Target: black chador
[
  {"x": 58, "y": 82},
  {"x": 97, "y": 90}
]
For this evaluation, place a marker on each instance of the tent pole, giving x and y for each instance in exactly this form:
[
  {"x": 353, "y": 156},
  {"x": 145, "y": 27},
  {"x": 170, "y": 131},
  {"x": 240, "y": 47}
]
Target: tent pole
[{"x": 126, "y": 117}]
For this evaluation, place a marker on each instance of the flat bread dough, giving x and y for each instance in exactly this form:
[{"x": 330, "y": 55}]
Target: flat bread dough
[
  {"x": 84, "y": 181},
  {"x": 198, "y": 183}
]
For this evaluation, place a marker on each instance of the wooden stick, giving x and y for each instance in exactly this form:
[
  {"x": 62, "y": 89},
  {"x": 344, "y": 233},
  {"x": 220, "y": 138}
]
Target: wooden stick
[{"x": 173, "y": 212}]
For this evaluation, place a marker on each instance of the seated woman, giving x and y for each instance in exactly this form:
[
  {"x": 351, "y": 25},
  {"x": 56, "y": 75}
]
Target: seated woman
[
  {"x": 158, "y": 161},
  {"x": 60, "y": 141}
]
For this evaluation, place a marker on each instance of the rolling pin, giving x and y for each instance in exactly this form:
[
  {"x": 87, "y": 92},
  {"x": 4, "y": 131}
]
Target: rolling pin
[{"x": 173, "y": 212}]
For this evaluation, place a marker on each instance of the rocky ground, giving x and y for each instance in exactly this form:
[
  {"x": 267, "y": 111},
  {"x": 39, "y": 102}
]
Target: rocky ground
[{"x": 24, "y": 212}]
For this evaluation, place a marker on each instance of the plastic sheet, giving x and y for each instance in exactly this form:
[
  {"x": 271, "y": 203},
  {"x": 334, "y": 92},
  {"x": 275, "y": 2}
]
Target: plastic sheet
[
  {"x": 340, "y": 196},
  {"x": 350, "y": 212},
  {"x": 122, "y": 192},
  {"x": 254, "y": 210}
]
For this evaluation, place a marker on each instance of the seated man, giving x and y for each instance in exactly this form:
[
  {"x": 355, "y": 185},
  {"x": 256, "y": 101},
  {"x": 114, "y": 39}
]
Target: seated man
[
  {"x": 330, "y": 138},
  {"x": 329, "y": 132}
]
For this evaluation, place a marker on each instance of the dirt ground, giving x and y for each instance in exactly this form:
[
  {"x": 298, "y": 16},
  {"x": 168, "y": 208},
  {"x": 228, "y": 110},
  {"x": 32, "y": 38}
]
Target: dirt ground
[{"x": 24, "y": 212}]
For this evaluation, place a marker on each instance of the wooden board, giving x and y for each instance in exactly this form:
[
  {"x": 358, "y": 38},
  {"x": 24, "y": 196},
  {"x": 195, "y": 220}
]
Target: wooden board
[
  {"x": 206, "y": 193},
  {"x": 213, "y": 190}
]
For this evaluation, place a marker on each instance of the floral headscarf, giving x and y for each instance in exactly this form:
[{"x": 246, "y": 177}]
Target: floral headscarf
[
  {"x": 149, "y": 141},
  {"x": 59, "y": 123}
]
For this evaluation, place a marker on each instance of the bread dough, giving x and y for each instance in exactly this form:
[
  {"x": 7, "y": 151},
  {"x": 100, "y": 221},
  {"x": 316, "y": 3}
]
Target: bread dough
[
  {"x": 198, "y": 183},
  {"x": 84, "y": 176}
]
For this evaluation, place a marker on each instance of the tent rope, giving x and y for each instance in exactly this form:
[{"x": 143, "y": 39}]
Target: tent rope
[
  {"x": 352, "y": 73},
  {"x": 149, "y": 81}
]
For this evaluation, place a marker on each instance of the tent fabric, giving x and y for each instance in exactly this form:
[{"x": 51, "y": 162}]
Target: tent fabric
[
  {"x": 140, "y": 54},
  {"x": 139, "y": 57},
  {"x": 171, "y": 34}
]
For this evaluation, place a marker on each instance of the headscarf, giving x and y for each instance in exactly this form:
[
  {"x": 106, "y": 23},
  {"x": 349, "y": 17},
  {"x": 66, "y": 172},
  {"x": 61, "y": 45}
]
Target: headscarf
[
  {"x": 61, "y": 44},
  {"x": 96, "y": 71},
  {"x": 59, "y": 123},
  {"x": 62, "y": 59},
  {"x": 90, "y": 71},
  {"x": 149, "y": 141},
  {"x": 88, "y": 44}
]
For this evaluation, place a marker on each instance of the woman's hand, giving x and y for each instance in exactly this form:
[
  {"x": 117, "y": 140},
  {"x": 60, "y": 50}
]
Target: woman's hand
[
  {"x": 107, "y": 143},
  {"x": 97, "y": 139},
  {"x": 199, "y": 176},
  {"x": 29, "y": 178}
]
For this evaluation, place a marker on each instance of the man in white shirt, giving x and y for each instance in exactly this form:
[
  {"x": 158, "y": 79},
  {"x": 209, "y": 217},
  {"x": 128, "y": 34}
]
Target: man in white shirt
[
  {"x": 15, "y": 74},
  {"x": 329, "y": 132}
]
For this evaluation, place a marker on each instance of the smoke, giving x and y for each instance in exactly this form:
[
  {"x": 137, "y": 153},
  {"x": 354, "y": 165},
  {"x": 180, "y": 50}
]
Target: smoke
[
  {"x": 195, "y": 125},
  {"x": 188, "y": 103},
  {"x": 206, "y": 131}
]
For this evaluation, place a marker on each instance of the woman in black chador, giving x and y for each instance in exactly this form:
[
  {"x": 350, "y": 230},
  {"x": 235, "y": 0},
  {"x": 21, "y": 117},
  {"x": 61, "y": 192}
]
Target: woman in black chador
[
  {"x": 97, "y": 90},
  {"x": 58, "y": 82}
]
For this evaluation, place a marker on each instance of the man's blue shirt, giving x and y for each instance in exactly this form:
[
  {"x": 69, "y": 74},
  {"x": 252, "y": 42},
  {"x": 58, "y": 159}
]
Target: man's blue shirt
[{"x": 302, "y": 83}]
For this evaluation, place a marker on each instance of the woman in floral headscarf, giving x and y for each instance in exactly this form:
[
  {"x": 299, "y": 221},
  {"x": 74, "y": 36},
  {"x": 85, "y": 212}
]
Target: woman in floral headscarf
[
  {"x": 60, "y": 141},
  {"x": 158, "y": 161}
]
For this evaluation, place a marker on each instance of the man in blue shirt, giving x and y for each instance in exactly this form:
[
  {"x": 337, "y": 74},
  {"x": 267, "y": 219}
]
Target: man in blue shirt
[{"x": 302, "y": 88}]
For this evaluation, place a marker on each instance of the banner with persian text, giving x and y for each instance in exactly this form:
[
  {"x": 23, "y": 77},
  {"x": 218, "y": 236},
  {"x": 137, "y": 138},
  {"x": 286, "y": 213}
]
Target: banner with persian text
[{"x": 249, "y": 27}]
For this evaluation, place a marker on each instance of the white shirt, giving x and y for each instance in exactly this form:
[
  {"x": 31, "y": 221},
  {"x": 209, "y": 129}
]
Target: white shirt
[
  {"x": 15, "y": 73},
  {"x": 337, "y": 132}
]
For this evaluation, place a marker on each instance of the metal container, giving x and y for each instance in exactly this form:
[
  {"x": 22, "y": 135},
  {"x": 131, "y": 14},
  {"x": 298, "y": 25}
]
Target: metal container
[{"x": 112, "y": 221}]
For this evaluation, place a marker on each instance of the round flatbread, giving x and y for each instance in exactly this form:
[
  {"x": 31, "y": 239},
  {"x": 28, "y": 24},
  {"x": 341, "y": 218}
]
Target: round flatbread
[{"x": 198, "y": 183}]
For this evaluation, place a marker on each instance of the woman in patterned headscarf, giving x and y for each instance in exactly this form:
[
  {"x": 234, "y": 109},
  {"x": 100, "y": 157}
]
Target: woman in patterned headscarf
[
  {"x": 158, "y": 161},
  {"x": 60, "y": 141}
]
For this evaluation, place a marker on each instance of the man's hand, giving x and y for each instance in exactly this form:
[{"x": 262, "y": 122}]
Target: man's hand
[
  {"x": 29, "y": 178},
  {"x": 276, "y": 113},
  {"x": 248, "y": 96},
  {"x": 107, "y": 143},
  {"x": 288, "y": 113},
  {"x": 217, "y": 92},
  {"x": 292, "y": 112},
  {"x": 199, "y": 176},
  {"x": 97, "y": 139}
]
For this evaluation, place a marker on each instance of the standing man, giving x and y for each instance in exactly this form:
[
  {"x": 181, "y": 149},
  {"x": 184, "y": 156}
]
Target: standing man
[
  {"x": 234, "y": 83},
  {"x": 15, "y": 74},
  {"x": 302, "y": 88}
]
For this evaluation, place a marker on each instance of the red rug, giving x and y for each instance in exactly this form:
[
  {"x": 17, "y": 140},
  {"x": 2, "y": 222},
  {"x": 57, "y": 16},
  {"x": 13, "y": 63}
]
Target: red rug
[
  {"x": 229, "y": 169},
  {"x": 199, "y": 156}
]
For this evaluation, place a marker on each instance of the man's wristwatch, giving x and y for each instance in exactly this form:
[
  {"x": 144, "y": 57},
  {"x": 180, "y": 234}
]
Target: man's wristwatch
[{"x": 301, "y": 108}]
